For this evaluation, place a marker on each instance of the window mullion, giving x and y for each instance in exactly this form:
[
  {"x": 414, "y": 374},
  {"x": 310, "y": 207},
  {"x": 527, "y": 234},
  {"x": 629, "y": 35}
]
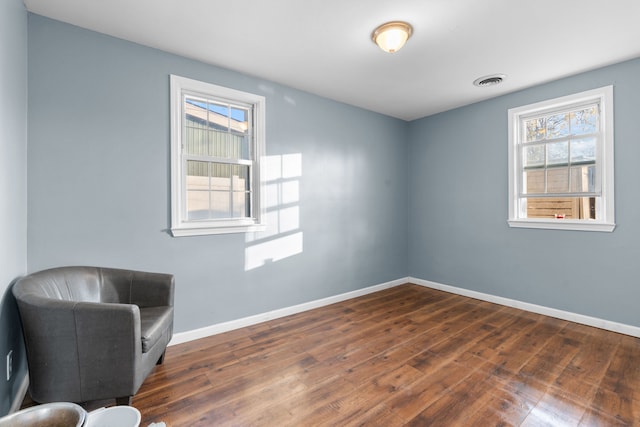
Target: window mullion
[
  {"x": 222, "y": 160},
  {"x": 209, "y": 189},
  {"x": 232, "y": 186},
  {"x": 569, "y": 168}
]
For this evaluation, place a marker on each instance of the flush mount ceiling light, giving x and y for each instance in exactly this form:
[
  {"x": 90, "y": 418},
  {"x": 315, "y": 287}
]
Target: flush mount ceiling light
[
  {"x": 492, "y": 80},
  {"x": 391, "y": 36}
]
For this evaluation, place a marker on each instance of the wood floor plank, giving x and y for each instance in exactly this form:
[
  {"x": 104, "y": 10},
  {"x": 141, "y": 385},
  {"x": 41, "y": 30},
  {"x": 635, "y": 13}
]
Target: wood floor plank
[
  {"x": 556, "y": 409},
  {"x": 457, "y": 405},
  {"x": 410, "y": 402},
  {"x": 549, "y": 361},
  {"x": 407, "y": 355}
]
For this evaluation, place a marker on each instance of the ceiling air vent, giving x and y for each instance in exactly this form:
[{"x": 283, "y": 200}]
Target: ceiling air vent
[{"x": 491, "y": 80}]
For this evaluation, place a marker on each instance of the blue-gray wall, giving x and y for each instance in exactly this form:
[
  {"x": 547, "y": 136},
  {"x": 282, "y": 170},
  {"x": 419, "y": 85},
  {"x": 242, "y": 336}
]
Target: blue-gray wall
[
  {"x": 458, "y": 232},
  {"x": 13, "y": 188},
  {"x": 99, "y": 181}
]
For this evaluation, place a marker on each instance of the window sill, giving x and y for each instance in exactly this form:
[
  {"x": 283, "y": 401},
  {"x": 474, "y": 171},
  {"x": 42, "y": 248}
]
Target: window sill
[
  {"x": 562, "y": 224},
  {"x": 206, "y": 231}
]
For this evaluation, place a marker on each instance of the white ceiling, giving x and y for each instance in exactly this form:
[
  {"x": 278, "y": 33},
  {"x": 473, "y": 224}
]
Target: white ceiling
[{"x": 324, "y": 46}]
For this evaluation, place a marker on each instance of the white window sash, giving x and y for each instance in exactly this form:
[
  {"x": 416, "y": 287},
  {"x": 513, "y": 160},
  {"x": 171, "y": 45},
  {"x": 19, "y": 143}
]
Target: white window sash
[
  {"x": 604, "y": 174},
  {"x": 180, "y": 224}
]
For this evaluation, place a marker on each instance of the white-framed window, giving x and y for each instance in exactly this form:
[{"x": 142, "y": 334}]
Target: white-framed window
[
  {"x": 217, "y": 144},
  {"x": 561, "y": 163}
]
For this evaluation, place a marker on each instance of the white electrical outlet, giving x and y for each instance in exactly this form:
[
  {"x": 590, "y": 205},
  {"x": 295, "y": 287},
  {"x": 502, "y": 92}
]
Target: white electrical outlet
[{"x": 9, "y": 364}]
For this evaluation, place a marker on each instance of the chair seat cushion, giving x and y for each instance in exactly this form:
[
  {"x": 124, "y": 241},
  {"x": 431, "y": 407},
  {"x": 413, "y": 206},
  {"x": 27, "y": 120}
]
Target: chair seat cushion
[{"x": 154, "y": 324}]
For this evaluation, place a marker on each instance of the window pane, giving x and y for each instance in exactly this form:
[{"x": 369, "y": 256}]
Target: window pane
[
  {"x": 558, "y": 180},
  {"x": 240, "y": 120},
  {"x": 584, "y": 121},
  {"x": 197, "y": 205},
  {"x": 195, "y": 135},
  {"x": 220, "y": 177},
  {"x": 583, "y": 150},
  {"x": 239, "y": 147},
  {"x": 240, "y": 204},
  {"x": 217, "y": 129},
  {"x": 535, "y": 129},
  {"x": 220, "y": 205},
  {"x": 583, "y": 178},
  {"x": 216, "y": 190},
  {"x": 218, "y": 117},
  {"x": 535, "y": 181},
  {"x": 534, "y": 155},
  {"x": 558, "y": 153},
  {"x": 241, "y": 178},
  {"x": 195, "y": 111},
  {"x": 196, "y": 170},
  {"x": 197, "y": 187},
  {"x": 242, "y": 191},
  {"x": 247, "y": 204},
  {"x": 561, "y": 208},
  {"x": 218, "y": 144},
  {"x": 558, "y": 125},
  {"x": 195, "y": 140}
]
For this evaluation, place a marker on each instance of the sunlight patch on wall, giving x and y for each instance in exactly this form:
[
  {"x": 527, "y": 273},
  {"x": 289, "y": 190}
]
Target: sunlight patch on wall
[
  {"x": 273, "y": 251},
  {"x": 282, "y": 238}
]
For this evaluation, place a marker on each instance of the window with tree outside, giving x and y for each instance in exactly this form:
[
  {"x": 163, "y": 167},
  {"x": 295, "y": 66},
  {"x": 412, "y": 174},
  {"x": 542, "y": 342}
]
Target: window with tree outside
[
  {"x": 561, "y": 163},
  {"x": 216, "y": 147}
]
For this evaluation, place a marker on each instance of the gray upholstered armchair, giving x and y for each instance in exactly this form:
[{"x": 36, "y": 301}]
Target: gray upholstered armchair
[{"x": 93, "y": 333}]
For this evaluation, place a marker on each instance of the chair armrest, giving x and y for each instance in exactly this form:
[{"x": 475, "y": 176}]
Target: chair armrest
[
  {"x": 107, "y": 326},
  {"x": 110, "y": 333},
  {"x": 49, "y": 330},
  {"x": 152, "y": 289}
]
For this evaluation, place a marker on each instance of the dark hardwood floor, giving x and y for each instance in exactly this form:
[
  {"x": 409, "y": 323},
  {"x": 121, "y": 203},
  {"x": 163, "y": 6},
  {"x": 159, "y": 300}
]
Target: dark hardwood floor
[{"x": 404, "y": 356}]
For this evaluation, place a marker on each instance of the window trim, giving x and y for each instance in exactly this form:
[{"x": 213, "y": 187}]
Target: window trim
[
  {"x": 604, "y": 160},
  {"x": 180, "y": 225}
]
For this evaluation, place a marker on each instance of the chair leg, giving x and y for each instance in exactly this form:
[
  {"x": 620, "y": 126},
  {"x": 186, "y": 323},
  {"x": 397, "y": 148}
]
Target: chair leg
[
  {"x": 161, "y": 360},
  {"x": 124, "y": 400}
]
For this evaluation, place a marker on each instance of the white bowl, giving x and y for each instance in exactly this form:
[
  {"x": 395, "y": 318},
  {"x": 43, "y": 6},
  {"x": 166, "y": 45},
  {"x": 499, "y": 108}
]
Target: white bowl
[{"x": 115, "y": 416}]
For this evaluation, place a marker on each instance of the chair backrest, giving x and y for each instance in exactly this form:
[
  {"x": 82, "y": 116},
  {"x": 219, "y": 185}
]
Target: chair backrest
[{"x": 78, "y": 284}]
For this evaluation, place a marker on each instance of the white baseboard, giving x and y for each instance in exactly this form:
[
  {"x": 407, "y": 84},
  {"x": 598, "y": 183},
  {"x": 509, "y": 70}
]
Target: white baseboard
[
  {"x": 182, "y": 337},
  {"x": 219, "y": 328},
  {"x": 622, "y": 328}
]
